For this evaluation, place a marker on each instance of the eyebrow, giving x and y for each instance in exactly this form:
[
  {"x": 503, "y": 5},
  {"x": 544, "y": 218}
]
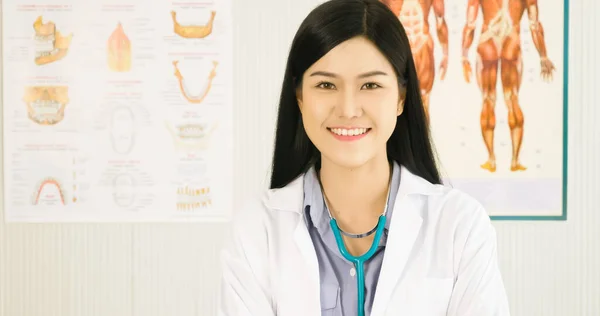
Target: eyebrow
[{"x": 363, "y": 75}]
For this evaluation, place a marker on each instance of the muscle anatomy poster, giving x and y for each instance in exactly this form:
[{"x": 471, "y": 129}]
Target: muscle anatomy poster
[
  {"x": 493, "y": 81},
  {"x": 117, "y": 110}
]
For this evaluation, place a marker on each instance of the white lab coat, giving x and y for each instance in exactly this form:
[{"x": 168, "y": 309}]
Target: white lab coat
[{"x": 440, "y": 258}]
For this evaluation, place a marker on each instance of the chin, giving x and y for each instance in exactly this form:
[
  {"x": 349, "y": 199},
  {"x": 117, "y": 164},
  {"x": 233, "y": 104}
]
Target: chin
[{"x": 347, "y": 160}]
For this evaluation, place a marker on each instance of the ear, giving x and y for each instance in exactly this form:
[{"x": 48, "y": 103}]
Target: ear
[
  {"x": 400, "y": 107},
  {"x": 401, "y": 100},
  {"x": 299, "y": 97}
]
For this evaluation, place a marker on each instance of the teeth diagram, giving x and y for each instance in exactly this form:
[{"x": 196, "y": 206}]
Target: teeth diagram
[
  {"x": 193, "y": 198},
  {"x": 118, "y": 50},
  {"x": 49, "y": 192},
  {"x": 195, "y": 99},
  {"x": 118, "y": 111},
  {"x": 122, "y": 130},
  {"x": 194, "y": 137},
  {"x": 193, "y": 31},
  {"x": 50, "y": 44},
  {"x": 124, "y": 190},
  {"x": 46, "y": 104}
]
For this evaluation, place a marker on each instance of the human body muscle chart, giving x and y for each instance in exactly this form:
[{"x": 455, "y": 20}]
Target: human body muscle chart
[
  {"x": 414, "y": 16},
  {"x": 493, "y": 80},
  {"x": 499, "y": 55}
]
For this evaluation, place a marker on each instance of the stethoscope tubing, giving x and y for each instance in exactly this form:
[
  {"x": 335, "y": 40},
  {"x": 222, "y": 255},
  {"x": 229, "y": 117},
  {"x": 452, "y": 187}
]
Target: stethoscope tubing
[{"x": 359, "y": 262}]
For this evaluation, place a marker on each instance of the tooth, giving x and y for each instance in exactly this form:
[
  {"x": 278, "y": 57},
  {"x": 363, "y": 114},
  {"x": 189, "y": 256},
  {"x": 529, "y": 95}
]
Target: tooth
[{"x": 345, "y": 132}]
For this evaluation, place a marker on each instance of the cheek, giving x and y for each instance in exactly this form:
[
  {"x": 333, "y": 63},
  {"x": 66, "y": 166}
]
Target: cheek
[
  {"x": 315, "y": 110},
  {"x": 385, "y": 115},
  {"x": 386, "y": 122},
  {"x": 390, "y": 121}
]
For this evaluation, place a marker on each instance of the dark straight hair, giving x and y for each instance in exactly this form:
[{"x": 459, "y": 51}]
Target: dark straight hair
[{"x": 328, "y": 25}]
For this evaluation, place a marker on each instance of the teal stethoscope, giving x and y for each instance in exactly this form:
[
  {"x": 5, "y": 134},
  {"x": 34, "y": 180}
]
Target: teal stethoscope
[{"x": 360, "y": 260}]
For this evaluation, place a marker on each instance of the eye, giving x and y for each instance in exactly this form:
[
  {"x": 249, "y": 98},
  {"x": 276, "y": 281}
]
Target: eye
[
  {"x": 325, "y": 85},
  {"x": 371, "y": 86}
]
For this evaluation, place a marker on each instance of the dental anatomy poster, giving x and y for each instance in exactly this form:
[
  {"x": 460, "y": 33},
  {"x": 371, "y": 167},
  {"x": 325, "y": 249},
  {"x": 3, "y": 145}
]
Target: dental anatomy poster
[
  {"x": 117, "y": 111},
  {"x": 493, "y": 82}
]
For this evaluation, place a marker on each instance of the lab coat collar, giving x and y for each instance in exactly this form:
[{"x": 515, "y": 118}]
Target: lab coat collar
[
  {"x": 291, "y": 197},
  {"x": 404, "y": 231},
  {"x": 315, "y": 208}
]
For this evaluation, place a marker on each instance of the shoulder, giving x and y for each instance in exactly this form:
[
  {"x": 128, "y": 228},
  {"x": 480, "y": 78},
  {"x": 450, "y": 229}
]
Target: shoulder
[
  {"x": 265, "y": 213},
  {"x": 251, "y": 217},
  {"x": 246, "y": 244},
  {"x": 259, "y": 233},
  {"x": 457, "y": 203},
  {"x": 462, "y": 223},
  {"x": 443, "y": 208},
  {"x": 459, "y": 210}
]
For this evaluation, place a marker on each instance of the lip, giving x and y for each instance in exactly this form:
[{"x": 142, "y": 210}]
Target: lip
[{"x": 348, "y": 138}]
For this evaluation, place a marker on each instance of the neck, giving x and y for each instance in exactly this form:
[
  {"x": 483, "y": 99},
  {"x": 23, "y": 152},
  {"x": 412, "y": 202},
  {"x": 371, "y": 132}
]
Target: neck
[{"x": 356, "y": 194}]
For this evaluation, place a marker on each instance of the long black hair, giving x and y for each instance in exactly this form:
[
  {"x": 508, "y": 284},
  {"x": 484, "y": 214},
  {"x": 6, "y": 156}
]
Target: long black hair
[{"x": 328, "y": 25}]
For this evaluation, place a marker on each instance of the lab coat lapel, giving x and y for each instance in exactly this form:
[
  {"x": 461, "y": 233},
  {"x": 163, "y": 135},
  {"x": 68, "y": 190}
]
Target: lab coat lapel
[
  {"x": 311, "y": 285},
  {"x": 404, "y": 229},
  {"x": 290, "y": 199},
  {"x": 304, "y": 243}
]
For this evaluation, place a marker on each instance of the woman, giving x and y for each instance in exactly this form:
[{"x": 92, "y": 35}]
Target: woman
[{"x": 354, "y": 173}]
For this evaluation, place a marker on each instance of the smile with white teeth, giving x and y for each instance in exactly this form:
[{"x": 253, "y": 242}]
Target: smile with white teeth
[{"x": 349, "y": 132}]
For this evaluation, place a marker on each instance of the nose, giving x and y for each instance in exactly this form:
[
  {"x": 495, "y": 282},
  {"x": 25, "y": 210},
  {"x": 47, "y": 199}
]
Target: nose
[{"x": 349, "y": 105}]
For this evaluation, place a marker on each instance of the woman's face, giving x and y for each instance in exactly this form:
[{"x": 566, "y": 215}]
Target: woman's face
[{"x": 350, "y": 101}]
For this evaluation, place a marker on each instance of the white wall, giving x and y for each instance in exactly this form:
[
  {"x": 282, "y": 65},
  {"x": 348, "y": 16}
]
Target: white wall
[{"x": 550, "y": 268}]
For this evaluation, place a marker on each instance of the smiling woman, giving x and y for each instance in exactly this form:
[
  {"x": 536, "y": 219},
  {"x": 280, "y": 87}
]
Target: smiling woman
[
  {"x": 344, "y": 62},
  {"x": 352, "y": 94},
  {"x": 352, "y": 149}
]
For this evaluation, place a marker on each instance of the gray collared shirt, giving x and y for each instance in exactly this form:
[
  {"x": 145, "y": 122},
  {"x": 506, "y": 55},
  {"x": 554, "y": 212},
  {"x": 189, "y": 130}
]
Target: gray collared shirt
[{"x": 338, "y": 275}]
